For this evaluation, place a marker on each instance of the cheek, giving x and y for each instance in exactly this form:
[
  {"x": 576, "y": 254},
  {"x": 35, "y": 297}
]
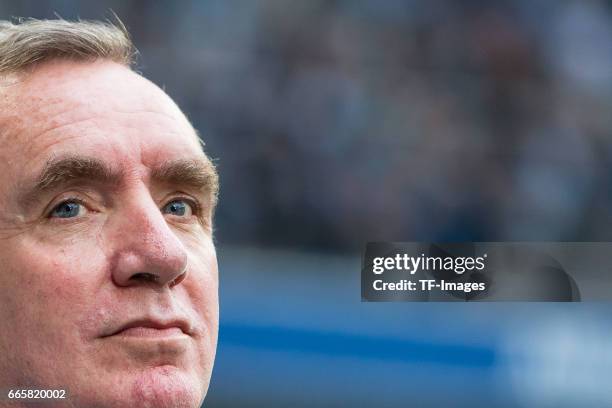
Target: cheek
[
  {"x": 44, "y": 296},
  {"x": 203, "y": 280},
  {"x": 202, "y": 287},
  {"x": 48, "y": 286}
]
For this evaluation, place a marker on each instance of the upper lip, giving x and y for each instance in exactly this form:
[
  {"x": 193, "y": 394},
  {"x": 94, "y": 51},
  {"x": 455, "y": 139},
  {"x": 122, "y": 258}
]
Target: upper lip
[{"x": 154, "y": 324}]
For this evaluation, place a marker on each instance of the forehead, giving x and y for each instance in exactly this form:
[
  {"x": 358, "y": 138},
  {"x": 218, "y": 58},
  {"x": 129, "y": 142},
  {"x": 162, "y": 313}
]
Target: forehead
[{"x": 91, "y": 108}]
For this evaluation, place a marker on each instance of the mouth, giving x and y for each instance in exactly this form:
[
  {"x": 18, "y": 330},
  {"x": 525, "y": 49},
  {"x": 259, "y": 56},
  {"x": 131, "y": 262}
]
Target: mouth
[{"x": 149, "y": 328}]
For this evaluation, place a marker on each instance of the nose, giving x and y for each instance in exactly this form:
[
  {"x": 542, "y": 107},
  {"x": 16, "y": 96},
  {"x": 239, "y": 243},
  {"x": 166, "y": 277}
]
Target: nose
[{"x": 146, "y": 250}]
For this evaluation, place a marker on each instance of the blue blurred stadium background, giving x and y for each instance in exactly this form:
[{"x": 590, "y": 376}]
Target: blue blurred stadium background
[{"x": 340, "y": 122}]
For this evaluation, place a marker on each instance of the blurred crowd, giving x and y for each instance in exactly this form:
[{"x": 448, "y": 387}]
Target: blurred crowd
[{"x": 334, "y": 123}]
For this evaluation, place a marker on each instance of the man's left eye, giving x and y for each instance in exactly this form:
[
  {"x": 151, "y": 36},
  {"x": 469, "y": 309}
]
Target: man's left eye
[{"x": 180, "y": 208}]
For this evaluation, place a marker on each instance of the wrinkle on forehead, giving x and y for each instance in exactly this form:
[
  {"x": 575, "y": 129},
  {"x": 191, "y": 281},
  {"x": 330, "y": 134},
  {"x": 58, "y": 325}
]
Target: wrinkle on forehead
[
  {"x": 57, "y": 83},
  {"x": 62, "y": 93}
]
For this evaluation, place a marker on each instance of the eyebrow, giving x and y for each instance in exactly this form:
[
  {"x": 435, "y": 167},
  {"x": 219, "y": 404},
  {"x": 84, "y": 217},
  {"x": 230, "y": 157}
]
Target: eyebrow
[
  {"x": 197, "y": 174},
  {"x": 59, "y": 172}
]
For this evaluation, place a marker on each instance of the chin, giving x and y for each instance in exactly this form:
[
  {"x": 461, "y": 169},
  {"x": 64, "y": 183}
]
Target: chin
[
  {"x": 167, "y": 387},
  {"x": 161, "y": 386}
]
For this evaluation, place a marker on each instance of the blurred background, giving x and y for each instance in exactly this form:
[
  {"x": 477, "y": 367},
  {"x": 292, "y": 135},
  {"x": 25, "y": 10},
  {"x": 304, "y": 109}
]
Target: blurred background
[{"x": 334, "y": 123}]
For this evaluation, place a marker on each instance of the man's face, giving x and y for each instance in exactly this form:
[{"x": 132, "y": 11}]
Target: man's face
[{"x": 108, "y": 272}]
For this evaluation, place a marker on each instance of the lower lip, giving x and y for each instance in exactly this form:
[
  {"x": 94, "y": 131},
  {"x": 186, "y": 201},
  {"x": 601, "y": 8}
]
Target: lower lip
[{"x": 150, "y": 332}]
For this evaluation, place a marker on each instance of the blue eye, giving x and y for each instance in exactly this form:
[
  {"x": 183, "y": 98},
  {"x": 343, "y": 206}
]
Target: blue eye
[
  {"x": 179, "y": 208},
  {"x": 67, "y": 209}
]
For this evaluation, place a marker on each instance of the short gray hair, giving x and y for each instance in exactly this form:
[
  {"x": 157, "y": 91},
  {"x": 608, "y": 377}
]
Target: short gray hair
[{"x": 29, "y": 42}]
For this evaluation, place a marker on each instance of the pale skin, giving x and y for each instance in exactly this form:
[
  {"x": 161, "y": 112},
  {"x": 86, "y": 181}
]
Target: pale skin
[{"x": 84, "y": 257}]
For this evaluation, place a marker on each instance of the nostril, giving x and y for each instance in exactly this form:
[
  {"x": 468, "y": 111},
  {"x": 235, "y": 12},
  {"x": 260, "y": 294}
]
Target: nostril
[
  {"x": 178, "y": 279},
  {"x": 144, "y": 277}
]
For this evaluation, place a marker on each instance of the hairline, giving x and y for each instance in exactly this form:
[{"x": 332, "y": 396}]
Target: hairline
[{"x": 30, "y": 42}]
